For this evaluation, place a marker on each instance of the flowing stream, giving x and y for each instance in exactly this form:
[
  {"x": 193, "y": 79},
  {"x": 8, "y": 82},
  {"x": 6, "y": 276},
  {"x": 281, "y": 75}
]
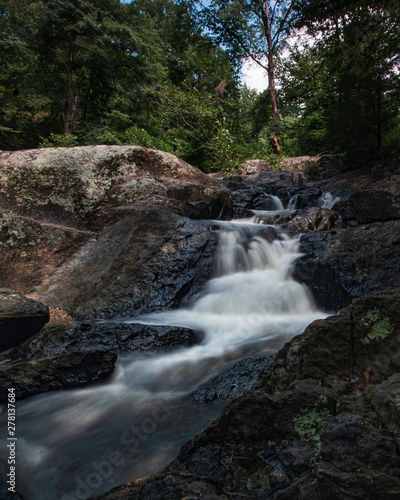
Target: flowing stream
[{"x": 74, "y": 444}]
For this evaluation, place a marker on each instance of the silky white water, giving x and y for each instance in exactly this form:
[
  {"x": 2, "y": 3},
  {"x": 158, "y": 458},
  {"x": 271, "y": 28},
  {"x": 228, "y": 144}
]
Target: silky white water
[{"x": 78, "y": 443}]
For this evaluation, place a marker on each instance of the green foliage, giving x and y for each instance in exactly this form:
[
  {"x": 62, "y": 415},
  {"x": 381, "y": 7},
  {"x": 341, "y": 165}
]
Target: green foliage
[
  {"x": 312, "y": 170},
  {"x": 146, "y": 73},
  {"x": 222, "y": 153},
  {"x": 59, "y": 141},
  {"x": 345, "y": 85},
  {"x": 308, "y": 424}
]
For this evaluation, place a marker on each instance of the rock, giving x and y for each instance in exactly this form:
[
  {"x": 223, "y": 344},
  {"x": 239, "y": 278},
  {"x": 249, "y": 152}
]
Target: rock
[
  {"x": 95, "y": 231},
  {"x": 294, "y": 164},
  {"x": 364, "y": 207},
  {"x": 256, "y": 192},
  {"x": 145, "y": 261},
  {"x": 254, "y": 167},
  {"x": 64, "y": 356},
  {"x": 365, "y": 334},
  {"x": 181, "y": 485},
  {"x": 103, "y": 337},
  {"x": 298, "y": 163},
  {"x": 315, "y": 428},
  {"x": 74, "y": 186},
  {"x": 331, "y": 165},
  {"x": 313, "y": 219},
  {"x": 20, "y": 318},
  {"x": 344, "y": 264},
  {"x": 382, "y": 174},
  {"x": 66, "y": 370},
  {"x": 234, "y": 381}
]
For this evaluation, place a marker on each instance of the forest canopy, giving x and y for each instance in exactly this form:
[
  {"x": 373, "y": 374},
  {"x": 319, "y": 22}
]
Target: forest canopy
[{"x": 167, "y": 75}]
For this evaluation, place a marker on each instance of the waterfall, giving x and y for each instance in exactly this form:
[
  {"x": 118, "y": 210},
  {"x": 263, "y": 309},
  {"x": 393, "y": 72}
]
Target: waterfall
[
  {"x": 79, "y": 443},
  {"x": 327, "y": 200}
]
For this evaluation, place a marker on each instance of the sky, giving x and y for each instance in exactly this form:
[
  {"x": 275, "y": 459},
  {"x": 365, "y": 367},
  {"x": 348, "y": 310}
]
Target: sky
[{"x": 254, "y": 76}]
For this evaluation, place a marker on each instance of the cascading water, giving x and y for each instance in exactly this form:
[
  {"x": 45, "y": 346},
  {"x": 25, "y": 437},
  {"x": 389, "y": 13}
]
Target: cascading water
[
  {"x": 78, "y": 443},
  {"x": 327, "y": 200}
]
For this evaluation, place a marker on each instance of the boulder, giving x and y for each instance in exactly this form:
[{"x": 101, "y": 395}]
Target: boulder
[
  {"x": 325, "y": 424},
  {"x": 81, "y": 337},
  {"x": 313, "y": 219},
  {"x": 64, "y": 356},
  {"x": 343, "y": 264},
  {"x": 144, "y": 261},
  {"x": 103, "y": 230},
  {"x": 77, "y": 186},
  {"x": 63, "y": 371},
  {"x": 364, "y": 207},
  {"x": 20, "y": 318}
]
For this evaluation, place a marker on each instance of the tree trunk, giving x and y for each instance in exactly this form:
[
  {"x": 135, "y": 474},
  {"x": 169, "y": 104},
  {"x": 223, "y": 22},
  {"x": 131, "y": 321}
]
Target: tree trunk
[
  {"x": 271, "y": 81},
  {"x": 71, "y": 102}
]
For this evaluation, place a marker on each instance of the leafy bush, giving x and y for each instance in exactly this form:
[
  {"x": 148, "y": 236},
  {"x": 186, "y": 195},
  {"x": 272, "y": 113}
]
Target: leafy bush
[{"x": 59, "y": 141}]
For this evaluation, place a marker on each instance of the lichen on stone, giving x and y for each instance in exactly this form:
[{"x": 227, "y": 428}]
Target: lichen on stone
[{"x": 378, "y": 327}]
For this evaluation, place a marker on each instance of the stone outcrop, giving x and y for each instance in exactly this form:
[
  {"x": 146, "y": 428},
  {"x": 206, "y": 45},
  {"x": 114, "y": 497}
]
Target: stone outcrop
[
  {"x": 343, "y": 264},
  {"x": 63, "y": 371},
  {"x": 103, "y": 230},
  {"x": 20, "y": 318},
  {"x": 65, "y": 356},
  {"x": 324, "y": 425},
  {"x": 78, "y": 185}
]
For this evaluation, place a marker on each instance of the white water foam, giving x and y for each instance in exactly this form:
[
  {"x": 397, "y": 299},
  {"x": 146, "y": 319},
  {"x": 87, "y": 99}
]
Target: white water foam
[{"x": 252, "y": 306}]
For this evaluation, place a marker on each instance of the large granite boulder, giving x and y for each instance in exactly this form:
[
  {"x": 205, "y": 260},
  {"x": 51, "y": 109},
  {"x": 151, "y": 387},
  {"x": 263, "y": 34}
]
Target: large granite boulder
[
  {"x": 79, "y": 185},
  {"x": 20, "y": 318},
  {"x": 104, "y": 230}
]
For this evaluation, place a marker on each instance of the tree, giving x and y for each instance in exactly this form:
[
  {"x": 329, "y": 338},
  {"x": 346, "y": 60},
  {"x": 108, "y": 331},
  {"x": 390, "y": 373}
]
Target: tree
[
  {"x": 356, "y": 60},
  {"x": 253, "y": 29}
]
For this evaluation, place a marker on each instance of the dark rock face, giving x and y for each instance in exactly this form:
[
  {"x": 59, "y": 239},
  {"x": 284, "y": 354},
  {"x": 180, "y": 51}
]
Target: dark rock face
[
  {"x": 255, "y": 191},
  {"x": 81, "y": 353},
  {"x": 20, "y": 318},
  {"x": 144, "y": 261},
  {"x": 66, "y": 370},
  {"x": 103, "y": 337},
  {"x": 235, "y": 381},
  {"x": 344, "y": 264},
  {"x": 364, "y": 207},
  {"x": 324, "y": 425}
]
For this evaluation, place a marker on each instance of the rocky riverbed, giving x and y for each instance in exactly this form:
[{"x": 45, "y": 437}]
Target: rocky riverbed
[{"x": 120, "y": 231}]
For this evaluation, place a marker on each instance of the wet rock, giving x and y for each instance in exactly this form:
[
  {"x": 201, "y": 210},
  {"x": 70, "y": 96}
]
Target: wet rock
[
  {"x": 314, "y": 219},
  {"x": 250, "y": 196},
  {"x": 145, "y": 261},
  {"x": 341, "y": 347},
  {"x": 206, "y": 210},
  {"x": 34, "y": 376},
  {"x": 364, "y": 207},
  {"x": 234, "y": 381},
  {"x": 344, "y": 264},
  {"x": 81, "y": 353},
  {"x": 315, "y": 428},
  {"x": 182, "y": 485},
  {"x": 20, "y": 318},
  {"x": 108, "y": 336}
]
